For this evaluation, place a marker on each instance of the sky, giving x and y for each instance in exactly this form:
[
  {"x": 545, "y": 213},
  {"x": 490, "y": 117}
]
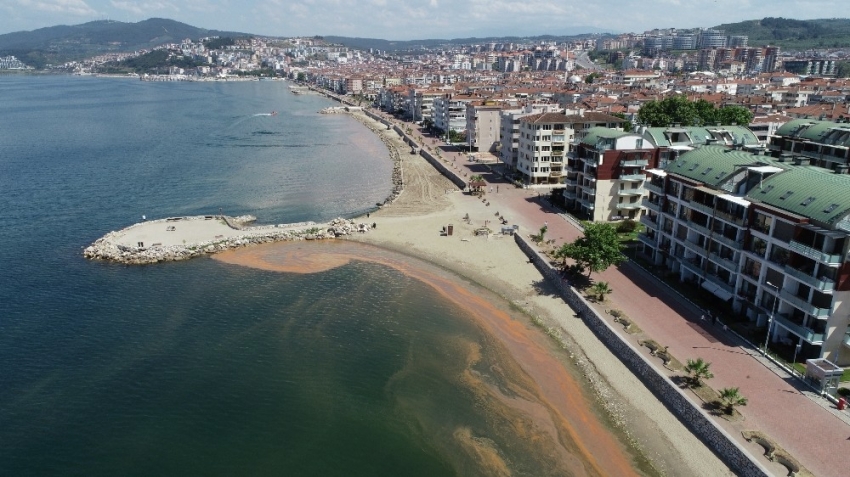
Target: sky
[{"x": 415, "y": 19}]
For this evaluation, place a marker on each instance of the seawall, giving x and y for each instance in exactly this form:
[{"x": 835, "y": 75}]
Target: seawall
[{"x": 717, "y": 439}]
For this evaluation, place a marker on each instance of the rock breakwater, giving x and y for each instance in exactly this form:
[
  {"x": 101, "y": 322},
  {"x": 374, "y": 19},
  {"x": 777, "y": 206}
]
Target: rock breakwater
[{"x": 113, "y": 246}]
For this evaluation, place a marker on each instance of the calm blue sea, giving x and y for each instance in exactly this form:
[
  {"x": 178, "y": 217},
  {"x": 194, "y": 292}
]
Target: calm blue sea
[{"x": 203, "y": 368}]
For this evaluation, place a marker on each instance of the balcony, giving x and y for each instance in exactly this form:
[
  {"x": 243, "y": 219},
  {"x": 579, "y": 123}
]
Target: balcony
[
  {"x": 705, "y": 209},
  {"x": 695, "y": 248},
  {"x": 803, "y": 305},
  {"x": 651, "y": 242},
  {"x": 649, "y": 221},
  {"x": 694, "y": 268},
  {"x": 815, "y": 254},
  {"x": 822, "y": 284},
  {"x": 555, "y": 173},
  {"x": 634, "y": 163},
  {"x": 726, "y": 263},
  {"x": 587, "y": 204},
  {"x": 651, "y": 205},
  {"x": 654, "y": 188},
  {"x": 699, "y": 228},
  {"x": 799, "y": 330},
  {"x": 571, "y": 183},
  {"x": 720, "y": 283},
  {"x": 628, "y": 206},
  {"x": 633, "y": 177},
  {"x": 631, "y": 192},
  {"x": 730, "y": 218},
  {"x": 569, "y": 194},
  {"x": 733, "y": 244}
]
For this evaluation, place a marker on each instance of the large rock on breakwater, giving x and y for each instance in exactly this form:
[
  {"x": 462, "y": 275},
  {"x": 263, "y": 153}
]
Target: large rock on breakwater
[{"x": 107, "y": 247}]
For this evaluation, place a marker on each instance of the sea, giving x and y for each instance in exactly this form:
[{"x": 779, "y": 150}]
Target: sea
[{"x": 202, "y": 367}]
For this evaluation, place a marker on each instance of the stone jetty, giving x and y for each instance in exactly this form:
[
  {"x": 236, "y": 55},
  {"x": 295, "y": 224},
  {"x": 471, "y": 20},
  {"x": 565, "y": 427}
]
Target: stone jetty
[{"x": 182, "y": 238}]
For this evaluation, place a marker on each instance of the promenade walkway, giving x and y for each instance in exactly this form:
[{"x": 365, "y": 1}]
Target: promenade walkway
[
  {"x": 778, "y": 406},
  {"x": 803, "y": 424}
]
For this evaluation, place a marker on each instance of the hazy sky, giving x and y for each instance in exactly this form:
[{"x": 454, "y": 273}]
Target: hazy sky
[{"x": 414, "y": 19}]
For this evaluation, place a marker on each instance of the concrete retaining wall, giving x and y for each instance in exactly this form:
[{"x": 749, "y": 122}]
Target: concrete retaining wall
[{"x": 717, "y": 439}]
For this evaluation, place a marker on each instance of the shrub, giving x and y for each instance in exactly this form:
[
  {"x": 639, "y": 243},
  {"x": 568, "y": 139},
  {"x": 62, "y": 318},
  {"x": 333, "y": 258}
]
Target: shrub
[{"x": 627, "y": 226}]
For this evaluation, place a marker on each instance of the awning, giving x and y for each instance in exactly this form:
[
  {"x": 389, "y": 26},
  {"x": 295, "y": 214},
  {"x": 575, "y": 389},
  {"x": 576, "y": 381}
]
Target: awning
[
  {"x": 716, "y": 290},
  {"x": 766, "y": 169},
  {"x": 709, "y": 190},
  {"x": 657, "y": 172},
  {"x": 736, "y": 200}
]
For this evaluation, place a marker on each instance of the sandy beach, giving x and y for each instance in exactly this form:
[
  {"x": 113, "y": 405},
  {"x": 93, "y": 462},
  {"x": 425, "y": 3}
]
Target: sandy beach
[{"x": 413, "y": 226}]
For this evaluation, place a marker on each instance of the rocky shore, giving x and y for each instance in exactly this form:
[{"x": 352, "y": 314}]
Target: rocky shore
[
  {"x": 398, "y": 171},
  {"x": 110, "y": 248}
]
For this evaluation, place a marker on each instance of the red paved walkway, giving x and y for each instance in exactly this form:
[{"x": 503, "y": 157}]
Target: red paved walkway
[{"x": 816, "y": 437}]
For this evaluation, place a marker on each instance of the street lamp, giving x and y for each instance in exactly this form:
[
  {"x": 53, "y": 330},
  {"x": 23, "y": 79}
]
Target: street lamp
[{"x": 772, "y": 313}]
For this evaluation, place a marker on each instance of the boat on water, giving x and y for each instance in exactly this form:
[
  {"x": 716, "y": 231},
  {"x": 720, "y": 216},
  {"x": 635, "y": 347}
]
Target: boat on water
[{"x": 274, "y": 113}]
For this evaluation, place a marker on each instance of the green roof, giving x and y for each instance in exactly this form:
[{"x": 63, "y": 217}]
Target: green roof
[
  {"x": 595, "y": 134},
  {"x": 822, "y": 132},
  {"x": 714, "y": 165},
  {"x": 809, "y": 192},
  {"x": 698, "y": 135},
  {"x": 812, "y": 192}
]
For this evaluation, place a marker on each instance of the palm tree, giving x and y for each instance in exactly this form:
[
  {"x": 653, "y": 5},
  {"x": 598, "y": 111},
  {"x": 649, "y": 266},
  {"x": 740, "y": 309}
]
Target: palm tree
[
  {"x": 600, "y": 289},
  {"x": 542, "y": 235},
  {"x": 697, "y": 371},
  {"x": 731, "y": 397}
]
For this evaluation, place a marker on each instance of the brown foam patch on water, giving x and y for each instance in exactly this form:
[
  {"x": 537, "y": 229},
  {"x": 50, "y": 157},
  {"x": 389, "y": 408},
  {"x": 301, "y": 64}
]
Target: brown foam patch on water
[
  {"x": 545, "y": 401},
  {"x": 298, "y": 257},
  {"x": 482, "y": 452}
]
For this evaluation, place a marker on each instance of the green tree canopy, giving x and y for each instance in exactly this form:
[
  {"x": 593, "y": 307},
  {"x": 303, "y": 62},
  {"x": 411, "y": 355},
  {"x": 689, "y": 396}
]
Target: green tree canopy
[
  {"x": 734, "y": 115},
  {"x": 679, "y": 110},
  {"x": 596, "y": 250}
]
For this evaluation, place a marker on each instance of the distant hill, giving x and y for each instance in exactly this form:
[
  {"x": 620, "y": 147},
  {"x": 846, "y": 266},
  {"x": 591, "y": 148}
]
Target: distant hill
[
  {"x": 793, "y": 34},
  {"x": 59, "y": 44},
  {"x": 395, "y": 46}
]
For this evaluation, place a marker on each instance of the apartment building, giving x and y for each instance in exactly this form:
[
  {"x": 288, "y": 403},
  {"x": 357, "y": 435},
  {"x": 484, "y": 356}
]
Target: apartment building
[
  {"x": 819, "y": 143},
  {"x": 606, "y": 174},
  {"x": 483, "y": 123},
  {"x": 769, "y": 239},
  {"x": 420, "y": 103},
  {"x": 509, "y": 120},
  {"x": 543, "y": 143},
  {"x": 449, "y": 112}
]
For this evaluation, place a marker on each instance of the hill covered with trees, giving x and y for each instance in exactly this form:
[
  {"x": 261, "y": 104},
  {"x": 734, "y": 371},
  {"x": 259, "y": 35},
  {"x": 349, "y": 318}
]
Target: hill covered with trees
[
  {"x": 793, "y": 34},
  {"x": 62, "y": 43}
]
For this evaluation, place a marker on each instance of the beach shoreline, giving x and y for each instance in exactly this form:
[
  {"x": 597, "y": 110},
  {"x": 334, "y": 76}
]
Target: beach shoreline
[{"x": 414, "y": 225}]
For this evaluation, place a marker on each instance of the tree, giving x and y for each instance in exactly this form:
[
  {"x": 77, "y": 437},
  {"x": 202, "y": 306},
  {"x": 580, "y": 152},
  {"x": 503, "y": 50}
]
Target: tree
[
  {"x": 596, "y": 250},
  {"x": 734, "y": 115},
  {"x": 680, "y": 110},
  {"x": 731, "y": 397},
  {"x": 600, "y": 289},
  {"x": 697, "y": 371},
  {"x": 706, "y": 112}
]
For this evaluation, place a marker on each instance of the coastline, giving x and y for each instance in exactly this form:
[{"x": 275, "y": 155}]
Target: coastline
[
  {"x": 423, "y": 202},
  {"x": 412, "y": 226}
]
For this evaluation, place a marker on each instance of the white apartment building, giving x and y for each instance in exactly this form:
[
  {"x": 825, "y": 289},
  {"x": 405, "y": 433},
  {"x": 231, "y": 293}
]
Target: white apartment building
[
  {"x": 449, "y": 112},
  {"x": 509, "y": 131},
  {"x": 543, "y": 144}
]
